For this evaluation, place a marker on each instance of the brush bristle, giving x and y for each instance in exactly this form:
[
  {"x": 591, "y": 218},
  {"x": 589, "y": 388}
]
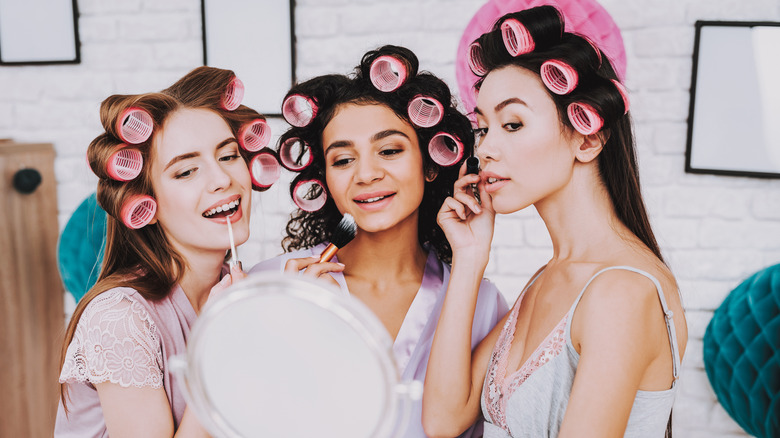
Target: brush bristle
[{"x": 345, "y": 231}]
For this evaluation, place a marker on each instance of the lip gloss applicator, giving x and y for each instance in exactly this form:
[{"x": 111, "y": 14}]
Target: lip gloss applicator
[
  {"x": 472, "y": 168},
  {"x": 233, "y": 255}
]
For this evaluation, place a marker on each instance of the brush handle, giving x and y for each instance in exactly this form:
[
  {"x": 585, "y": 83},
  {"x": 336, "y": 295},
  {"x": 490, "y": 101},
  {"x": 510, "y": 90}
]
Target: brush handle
[{"x": 329, "y": 252}]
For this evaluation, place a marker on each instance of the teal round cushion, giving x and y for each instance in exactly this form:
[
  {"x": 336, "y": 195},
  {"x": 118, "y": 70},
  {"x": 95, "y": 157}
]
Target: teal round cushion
[
  {"x": 80, "y": 248},
  {"x": 742, "y": 353}
]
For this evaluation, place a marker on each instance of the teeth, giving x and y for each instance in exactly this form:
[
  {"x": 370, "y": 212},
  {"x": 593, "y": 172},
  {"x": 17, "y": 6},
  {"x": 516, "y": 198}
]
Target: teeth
[
  {"x": 378, "y": 198},
  {"x": 224, "y": 207},
  {"x": 492, "y": 180}
]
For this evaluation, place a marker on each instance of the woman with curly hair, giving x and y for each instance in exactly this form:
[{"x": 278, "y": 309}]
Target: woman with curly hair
[
  {"x": 173, "y": 171},
  {"x": 593, "y": 344},
  {"x": 383, "y": 145}
]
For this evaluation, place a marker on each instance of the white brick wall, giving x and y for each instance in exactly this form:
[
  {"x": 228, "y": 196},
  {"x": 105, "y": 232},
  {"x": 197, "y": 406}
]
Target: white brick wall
[{"x": 714, "y": 230}]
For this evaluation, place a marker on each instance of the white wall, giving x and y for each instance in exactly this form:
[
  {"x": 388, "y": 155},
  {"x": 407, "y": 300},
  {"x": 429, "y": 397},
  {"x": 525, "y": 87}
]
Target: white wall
[{"x": 714, "y": 230}]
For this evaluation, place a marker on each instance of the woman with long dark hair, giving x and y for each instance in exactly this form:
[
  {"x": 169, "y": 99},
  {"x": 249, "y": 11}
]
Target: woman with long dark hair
[{"x": 593, "y": 344}]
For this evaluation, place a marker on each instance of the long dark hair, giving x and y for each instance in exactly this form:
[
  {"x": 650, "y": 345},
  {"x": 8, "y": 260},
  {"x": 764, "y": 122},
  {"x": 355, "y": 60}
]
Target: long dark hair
[
  {"x": 617, "y": 161},
  {"x": 306, "y": 229}
]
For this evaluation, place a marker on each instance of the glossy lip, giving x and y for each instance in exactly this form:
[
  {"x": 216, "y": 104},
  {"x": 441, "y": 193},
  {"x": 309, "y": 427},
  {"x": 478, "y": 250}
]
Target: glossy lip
[
  {"x": 378, "y": 205},
  {"x": 490, "y": 188},
  {"x": 223, "y": 220}
]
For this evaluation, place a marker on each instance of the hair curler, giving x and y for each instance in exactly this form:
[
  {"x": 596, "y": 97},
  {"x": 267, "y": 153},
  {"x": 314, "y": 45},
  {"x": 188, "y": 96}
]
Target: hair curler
[
  {"x": 125, "y": 164},
  {"x": 445, "y": 149},
  {"x": 295, "y": 154},
  {"x": 299, "y": 110},
  {"x": 310, "y": 195},
  {"x": 476, "y": 59},
  {"x": 254, "y": 135},
  {"x": 558, "y": 76},
  {"x": 388, "y": 73},
  {"x": 138, "y": 211},
  {"x": 264, "y": 169},
  {"x": 134, "y": 125},
  {"x": 584, "y": 118},
  {"x": 517, "y": 39},
  {"x": 425, "y": 111},
  {"x": 234, "y": 94},
  {"x": 623, "y": 93}
]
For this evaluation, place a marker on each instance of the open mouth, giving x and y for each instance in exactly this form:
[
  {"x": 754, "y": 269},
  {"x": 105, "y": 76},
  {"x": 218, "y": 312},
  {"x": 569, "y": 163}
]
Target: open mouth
[
  {"x": 494, "y": 180},
  {"x": 223, "y": 210},
  {"x": 374, "y": 199}
]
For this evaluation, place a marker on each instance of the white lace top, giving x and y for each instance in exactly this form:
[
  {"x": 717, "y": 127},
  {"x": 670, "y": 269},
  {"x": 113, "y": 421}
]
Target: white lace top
[{"x": 124, "y": 339}]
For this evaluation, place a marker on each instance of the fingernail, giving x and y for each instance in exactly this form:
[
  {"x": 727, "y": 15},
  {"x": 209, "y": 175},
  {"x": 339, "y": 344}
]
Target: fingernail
[{"x": 341, "y": 264}]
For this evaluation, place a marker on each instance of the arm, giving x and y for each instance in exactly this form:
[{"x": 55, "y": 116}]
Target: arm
[
  {"x": 134, "y": 412},
  {"x": 616, "y": 327},
  {"x": 453, "y": 382}
]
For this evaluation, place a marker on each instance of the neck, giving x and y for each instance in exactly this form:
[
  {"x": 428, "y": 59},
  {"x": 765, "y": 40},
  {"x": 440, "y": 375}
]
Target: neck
[
  {"x": 390, "y": 254},
  {"x": 201, "y": 274},
  {"x": 581, "y": 220}
]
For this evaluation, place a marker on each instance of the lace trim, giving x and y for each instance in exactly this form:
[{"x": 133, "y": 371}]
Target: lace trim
[
  {"x": 498, "y": 387},
  {"x": 115, "y": 341}
]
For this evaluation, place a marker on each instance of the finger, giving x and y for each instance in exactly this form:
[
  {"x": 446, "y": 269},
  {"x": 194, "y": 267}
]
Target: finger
[
  {"x": 467, "y": 199},
  {"x": 296, "y": 265},
  {"x": 236, "y": 273},
  {"x": 464, "y": 183},
  {"x": 456, "y": 207},
  {"x": 317, "y": 269}
]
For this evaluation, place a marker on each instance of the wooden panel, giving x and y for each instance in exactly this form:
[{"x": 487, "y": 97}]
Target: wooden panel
[{"x": 31, "y": 295}]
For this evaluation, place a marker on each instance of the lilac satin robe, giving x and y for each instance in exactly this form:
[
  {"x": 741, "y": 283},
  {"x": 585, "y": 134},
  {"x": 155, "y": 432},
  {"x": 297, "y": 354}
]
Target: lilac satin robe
[{"x": 412, "y": 346}]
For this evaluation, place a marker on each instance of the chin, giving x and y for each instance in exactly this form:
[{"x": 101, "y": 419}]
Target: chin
[{"x": 502, "y": 207}]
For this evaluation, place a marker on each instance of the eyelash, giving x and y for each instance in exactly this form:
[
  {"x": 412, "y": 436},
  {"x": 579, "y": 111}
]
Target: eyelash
[
  {"x": 386, "y": 152},
  {"x": 189, "y": 172}
]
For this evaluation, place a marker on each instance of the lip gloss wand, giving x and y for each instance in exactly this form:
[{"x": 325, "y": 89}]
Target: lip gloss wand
[{"x": 233, "y": 255}]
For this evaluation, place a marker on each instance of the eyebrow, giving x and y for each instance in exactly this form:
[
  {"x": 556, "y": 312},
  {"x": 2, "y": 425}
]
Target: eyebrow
[
  {"x": 189, "y": 155},
  {"x": 504, "y": 104},
  {"x": 374, "y": 138}
]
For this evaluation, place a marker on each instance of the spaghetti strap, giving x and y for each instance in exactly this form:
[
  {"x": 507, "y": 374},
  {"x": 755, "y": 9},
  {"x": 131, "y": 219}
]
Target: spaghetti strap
[{"x": 668, "y": 314}]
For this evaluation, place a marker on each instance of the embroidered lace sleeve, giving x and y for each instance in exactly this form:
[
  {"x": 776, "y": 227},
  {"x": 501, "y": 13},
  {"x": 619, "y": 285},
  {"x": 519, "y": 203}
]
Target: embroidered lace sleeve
[{"x": 115, "y": 341}]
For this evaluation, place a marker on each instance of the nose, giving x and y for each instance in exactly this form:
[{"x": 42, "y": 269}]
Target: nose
[
  {"x": 219, "y": 177},
  {"x": 487, "y": 151},
  {"x": 368, "y": 170}
]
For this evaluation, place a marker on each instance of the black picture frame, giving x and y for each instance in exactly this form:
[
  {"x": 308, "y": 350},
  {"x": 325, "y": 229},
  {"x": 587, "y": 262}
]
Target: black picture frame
[
  {"x": 27, "y": 36},
  {"x": 724, "y": 96},
  {"x": 272, "y": 83}
]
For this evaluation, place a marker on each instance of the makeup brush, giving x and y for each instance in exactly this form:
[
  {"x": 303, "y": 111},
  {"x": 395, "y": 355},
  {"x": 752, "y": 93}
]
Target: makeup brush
[
  {"x": 472, "y": 168},
  {"x": 344, "y": 233},
  {"x": 233, "y": 255}
]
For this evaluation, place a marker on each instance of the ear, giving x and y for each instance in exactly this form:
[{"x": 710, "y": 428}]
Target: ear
[
  {"x": 431, "y": 173},
  {"x": 589, "y": 146}
]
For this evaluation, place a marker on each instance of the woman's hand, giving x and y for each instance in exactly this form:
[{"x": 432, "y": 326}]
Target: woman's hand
[
  {"x": 312, "y": 267},
  {"x": 467, "y": 224},
  {"x": 235, "y": 275}
]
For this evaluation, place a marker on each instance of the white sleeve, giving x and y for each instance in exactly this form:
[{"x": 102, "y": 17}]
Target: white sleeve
[{"x": 115, "y": 341}]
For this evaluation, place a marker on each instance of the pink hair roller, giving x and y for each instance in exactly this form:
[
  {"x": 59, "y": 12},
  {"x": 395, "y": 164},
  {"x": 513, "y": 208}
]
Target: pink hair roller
[
  {"x": 125, "y": 164},
  {"x": 234, "y": 94},
  {"x": 264, "y": 169},
  {"x": 254, "y": 135},
  {"x": 584, "y": 118},
  {"x": 559, "y": 77},
  {"x": 445, "y": 149},
  {"x": 299, "y": 110},
  {"x": 387, "y": 73},
  {"x": 425, "y": 111},
  {"x": 134, "y": 126},
  {"x": 295, "y": 154},
  {"x": 476, "y": 59},
  {"x": 624, "y": 94},
  {"x": 310, "y": 195},
  {"x": 138, "y": 211},
  {"x": 517, "y": 40}
]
